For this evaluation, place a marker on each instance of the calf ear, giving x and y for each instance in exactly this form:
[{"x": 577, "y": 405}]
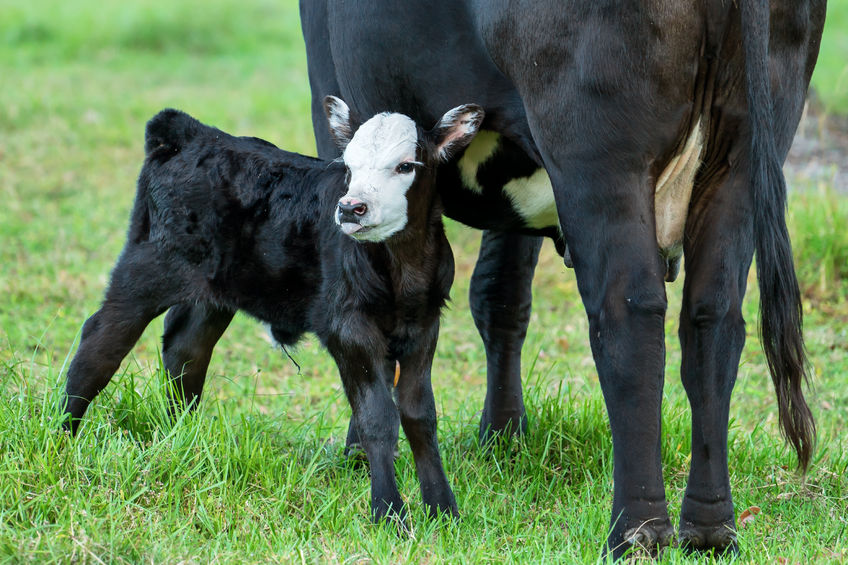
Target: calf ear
[
  {"x": 338, "y": 118},
  {"x": 456, "y": 129}
]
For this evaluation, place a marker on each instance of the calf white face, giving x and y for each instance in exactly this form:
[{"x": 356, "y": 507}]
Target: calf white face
[{"x": 381, "y": 161}]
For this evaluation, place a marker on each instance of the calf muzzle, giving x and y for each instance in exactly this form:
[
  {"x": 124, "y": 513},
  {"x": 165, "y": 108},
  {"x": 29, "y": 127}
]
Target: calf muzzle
[{"x": 350, "y": 213}]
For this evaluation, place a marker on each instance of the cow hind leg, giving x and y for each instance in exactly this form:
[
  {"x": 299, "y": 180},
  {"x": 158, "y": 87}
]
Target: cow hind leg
[
  {"x": 500, "y": 297},
  {"x": 620, "y": 276},
  {"x": 712, "y": 333},
  {"x": 191, "y": 332}
]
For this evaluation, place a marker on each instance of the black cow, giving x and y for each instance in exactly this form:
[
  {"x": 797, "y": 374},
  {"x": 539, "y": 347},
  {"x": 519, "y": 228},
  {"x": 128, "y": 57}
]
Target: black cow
[
  {"x": 637, "y": 133},
  {"x": 224, "y": 223}
]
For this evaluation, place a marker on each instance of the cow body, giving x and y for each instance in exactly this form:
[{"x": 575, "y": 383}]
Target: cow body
[
  {"x": 661, "y": 127},
  {"x": 224, "y": 223}
]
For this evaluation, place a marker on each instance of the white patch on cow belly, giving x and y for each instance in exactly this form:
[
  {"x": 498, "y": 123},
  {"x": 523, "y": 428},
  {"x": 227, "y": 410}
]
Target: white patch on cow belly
[
  {"x": 481, "y": 150},
  {"x": 533, "y": 199},
  {"x": 674, "y": 190}
]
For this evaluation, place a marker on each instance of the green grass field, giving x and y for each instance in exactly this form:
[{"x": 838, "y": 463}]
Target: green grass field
[{"x": 257, "y": 475}]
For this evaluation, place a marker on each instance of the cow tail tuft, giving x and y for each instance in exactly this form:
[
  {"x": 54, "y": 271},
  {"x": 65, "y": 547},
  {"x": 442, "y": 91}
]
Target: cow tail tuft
[{"x": 781, "y": 313}]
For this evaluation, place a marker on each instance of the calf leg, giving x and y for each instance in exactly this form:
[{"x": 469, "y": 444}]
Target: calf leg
[
  {"x": 191, "y": 332},
  {"x": 364, "y": 374},
  {"x": 718, "y": 250},
  {"x": 418, "y": 417},
  {"x": 500, "y": 297},
  {"x": 353, "y": 445},
  {"x": 133, "y": 299}
]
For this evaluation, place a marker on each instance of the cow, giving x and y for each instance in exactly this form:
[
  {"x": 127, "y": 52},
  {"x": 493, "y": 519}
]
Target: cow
[
  {"x": 632, "y": 134},
  {"x": 354, "y": 251}
]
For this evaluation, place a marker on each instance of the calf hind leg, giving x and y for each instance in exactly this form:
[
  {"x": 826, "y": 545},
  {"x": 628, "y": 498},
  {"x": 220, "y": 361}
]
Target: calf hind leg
[
  {"x": 132, "y": 301},
  {"x": 191, "y": 332}
]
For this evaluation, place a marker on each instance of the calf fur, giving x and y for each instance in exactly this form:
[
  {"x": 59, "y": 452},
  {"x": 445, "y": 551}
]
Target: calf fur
[{"x": 225, "y": 223}]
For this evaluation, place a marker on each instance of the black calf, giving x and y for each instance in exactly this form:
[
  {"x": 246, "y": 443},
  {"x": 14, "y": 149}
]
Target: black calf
[{"x": 224, "y": 223}]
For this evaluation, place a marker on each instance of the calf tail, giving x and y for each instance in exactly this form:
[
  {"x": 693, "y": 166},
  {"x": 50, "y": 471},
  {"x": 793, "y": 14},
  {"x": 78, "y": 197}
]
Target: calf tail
[
  {"x": 168, "y": 131},
  {"x": 781, "y": 313}
]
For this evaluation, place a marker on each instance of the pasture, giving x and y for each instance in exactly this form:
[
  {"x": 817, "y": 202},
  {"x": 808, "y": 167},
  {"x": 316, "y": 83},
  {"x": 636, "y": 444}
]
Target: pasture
[{"x": 257, "y": 474}]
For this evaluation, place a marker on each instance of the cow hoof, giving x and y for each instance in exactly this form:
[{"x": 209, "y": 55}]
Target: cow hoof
[
  {"x": 708, "y": 526},
  {"x": 391, "y": 513},
  {"x": 721, "y": 539},
  {"x": 648, "y": 539},
  {"x": 499, "y": 432},
  {"x": 444, "y": 511}
]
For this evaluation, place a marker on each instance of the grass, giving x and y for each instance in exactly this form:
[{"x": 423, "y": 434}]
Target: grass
[
  {"x": 257, "y": 474},
  {"x": 830, "y": 80}
]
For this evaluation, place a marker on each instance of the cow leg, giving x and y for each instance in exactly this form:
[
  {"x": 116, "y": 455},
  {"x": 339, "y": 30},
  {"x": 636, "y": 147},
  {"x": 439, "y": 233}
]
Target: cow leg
[
  {"x": 500, "y": 297},
  {"x": 718, "y": 251},
  {"x": 607, "y": 216},
  {"x": 132, "y": 300},
  {"x": 418, "y": 417},
  {"x": 191, "y": 332},
  {"x": 364, "y": 375}
]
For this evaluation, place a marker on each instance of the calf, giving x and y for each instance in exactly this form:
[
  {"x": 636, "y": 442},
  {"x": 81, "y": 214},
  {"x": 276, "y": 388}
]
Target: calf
[{"x": 224, "y": 223}]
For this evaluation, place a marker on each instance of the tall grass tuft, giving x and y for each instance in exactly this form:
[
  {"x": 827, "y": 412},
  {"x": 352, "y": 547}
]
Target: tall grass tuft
[{"x": 818, "y": 222}]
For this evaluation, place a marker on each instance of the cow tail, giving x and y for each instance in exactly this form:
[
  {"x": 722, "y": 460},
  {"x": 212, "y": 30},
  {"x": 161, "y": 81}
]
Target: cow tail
[{"x": 781, "y": 313}]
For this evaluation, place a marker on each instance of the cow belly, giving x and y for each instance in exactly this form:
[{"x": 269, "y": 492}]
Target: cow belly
[{"x": 532, "y": 196}]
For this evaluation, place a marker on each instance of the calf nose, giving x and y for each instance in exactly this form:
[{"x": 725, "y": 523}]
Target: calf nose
[{"x": 349, "y": 207}]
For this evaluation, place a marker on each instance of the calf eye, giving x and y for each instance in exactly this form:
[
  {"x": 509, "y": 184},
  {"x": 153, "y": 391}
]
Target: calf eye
[{"x": 405, "y": 168}]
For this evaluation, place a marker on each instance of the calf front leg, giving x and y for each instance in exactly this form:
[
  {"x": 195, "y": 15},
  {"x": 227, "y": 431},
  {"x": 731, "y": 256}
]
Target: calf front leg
[
  {"x": 191, "y": 332},
  {"x": 375, "y": 417},
  {"x": 418, "y": 417},
  {"x": 500, "y": 297},
  {"x": 353, "y": 449}
]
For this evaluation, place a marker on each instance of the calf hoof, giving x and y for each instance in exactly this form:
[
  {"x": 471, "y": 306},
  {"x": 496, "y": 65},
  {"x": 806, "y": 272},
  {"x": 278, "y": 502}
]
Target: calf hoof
[
  {"x": 355, "y": 455},
  {"x": 67, "y": 425},
  {"x": 648, "y": 538}
]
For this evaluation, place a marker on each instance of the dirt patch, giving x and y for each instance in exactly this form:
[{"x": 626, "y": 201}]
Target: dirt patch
[{"x": 819, "y": 153}]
